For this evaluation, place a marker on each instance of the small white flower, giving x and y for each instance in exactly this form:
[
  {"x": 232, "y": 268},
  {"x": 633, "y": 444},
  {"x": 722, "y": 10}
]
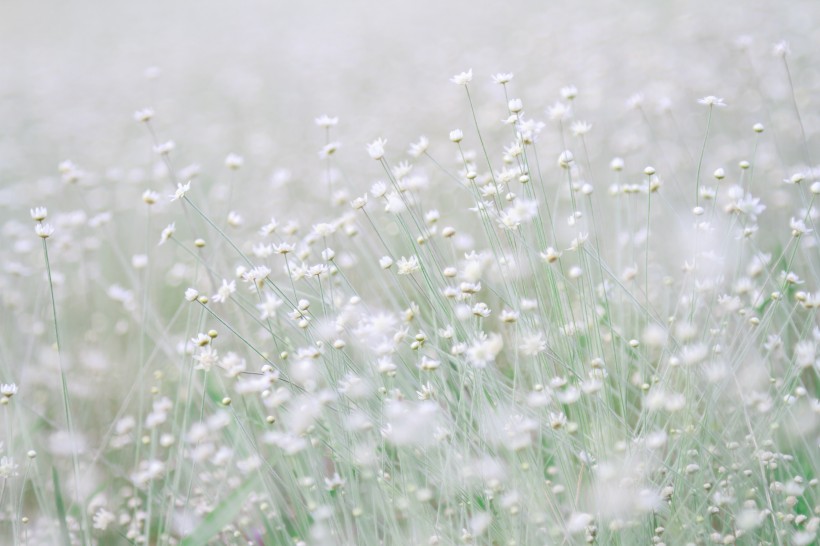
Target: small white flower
[
  {"x": 456, "y": 135},
  {"x": 376, "y": 148},
  {"x": 234, "y": 161},
  {"x": 182, "y": 189},
  {"x": 150, "y": 197},
  {"x": 406, "y": 266},
  {"x": 385, "y": 262},
  {"x": 8, "y": 389},
  {"x": 503, "y": 78},
  {"x": 143, "y": 115},
  {"x": 463, "y": 78},
  {"x": 417, "y": 149},
  {"x": 39, "y": 214},
  {"x": 191, "y": 294},
  {"x": 326, "y": 121},
  {"x": 712, "y": 100},
  {"x": 44, "y": 231},
  {"x": 165, "y": 148},
  {"x": 224, "y": 292},
  {"x": 167, "y": 232}
]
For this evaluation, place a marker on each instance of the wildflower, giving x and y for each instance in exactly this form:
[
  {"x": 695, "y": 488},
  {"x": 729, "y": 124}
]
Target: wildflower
[
  {"x": 712, "y": 100},
  {"x": 329, "y": 149},
  {"x": 463, "y": 78},
  {"x": 376, "y": 148},
  {"x": 143, "y": 115},
  {"x": 456, "y": 135},
  {"x": 102, "y": 519},
  {"x": 38, "y": 214},
  {"x": 781, "y": 49},
  {"x": 503, "y": 78},
  {"x": 191, "y": 294},
  {"x": 7, "y": 467},
  {"x": 418, "y": 149},
  {"x": 44, "y": 231},
  {"x": 224, "y": 292},
  {"x": 234, "y": 161},
  {"x": 167, "y": 232},
  {"x": 207, "y": 357},
  {"x": 182, "y": 189},
  {"x": 150, "y": 197},
  {"x": 324, "y": 121},
  {"x": 569, "y": 92},
  {"x": 7, "y": 390},
  {"x": 580, "y": 128},
  {"x": 284, "y": 248},
  {"x": 559, "y": 111},
  {"x": 165, "y": 148},
  {"x": 406, "y": 266}
]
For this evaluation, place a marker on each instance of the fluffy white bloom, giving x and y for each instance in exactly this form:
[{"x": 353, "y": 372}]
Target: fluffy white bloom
[
  {"x": 376, "y": 148},
  {"x": 463, "y": 78},
  {"x": 182, "y": 189},
  {"x": 407, "y": 266}
]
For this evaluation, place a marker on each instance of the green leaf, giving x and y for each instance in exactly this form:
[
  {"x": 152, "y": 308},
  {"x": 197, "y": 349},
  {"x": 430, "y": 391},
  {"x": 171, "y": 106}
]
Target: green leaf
[
  {"x": 221, "y": 516},
  {"x": 58, "y": 499}
]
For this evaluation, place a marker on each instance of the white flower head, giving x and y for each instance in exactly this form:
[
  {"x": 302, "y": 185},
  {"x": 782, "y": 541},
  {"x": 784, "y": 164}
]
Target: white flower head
[
  {"x": 503, "y": 78},
  {"x": 182, "y": 189},
  {"x": 44, "y": 231},
  {"x": 376, "y": 148},
  {"x": 326, "y": 121},
  {"x": 167, "y": 232},
  {"x": 38, "y": 214},
  {"x": 712, "y": 100},
  {"x": 463, "y": 78}
]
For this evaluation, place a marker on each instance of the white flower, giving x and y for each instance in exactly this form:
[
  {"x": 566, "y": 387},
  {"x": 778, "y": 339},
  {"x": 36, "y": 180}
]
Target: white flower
[
  {"x": 182, "y": 189},
  {"x": 39, "y": 214},
  {"x": 464, "y": 78},
  {"x": 580, "y": 128},
  {"x": 376, "y": 148},
  {"x": 167, "y": 232},
  {"x": 407, "y": 266},
  {"x": 102, "y": 519},
  {"x": 44, "y": 231},
  {"x": 207, "y": 357},
  {"x": 143, "y": 115},
  {"x": 267, "y": 309},
  {"x": 165, "y": 148},
  {"x": 7, "y": 467},
  {"x": 234, "y": 161},
  {"x": 712, "y": 100},
  {"x": 191, "y": 294},
  {"x": 224, "y": 292},
  {"x": 503, "y": 78},
  {"x": 326, "y": 121},
  {"x": 417, "y": 149},
  {"x": 8, "y": 389},
  {"x": 559, "y": 111},
  {"x": 385, "y": 262},
  {"x": 150, "y": 197},
  {"x": 456, "y": 135}
]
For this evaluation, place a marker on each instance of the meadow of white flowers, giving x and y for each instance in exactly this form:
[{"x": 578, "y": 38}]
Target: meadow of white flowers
[{"x": 409, "y": 273}]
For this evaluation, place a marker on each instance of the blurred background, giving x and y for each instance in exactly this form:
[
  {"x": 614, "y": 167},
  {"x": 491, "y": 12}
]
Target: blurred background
[{"x": 250, "y": 76}]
